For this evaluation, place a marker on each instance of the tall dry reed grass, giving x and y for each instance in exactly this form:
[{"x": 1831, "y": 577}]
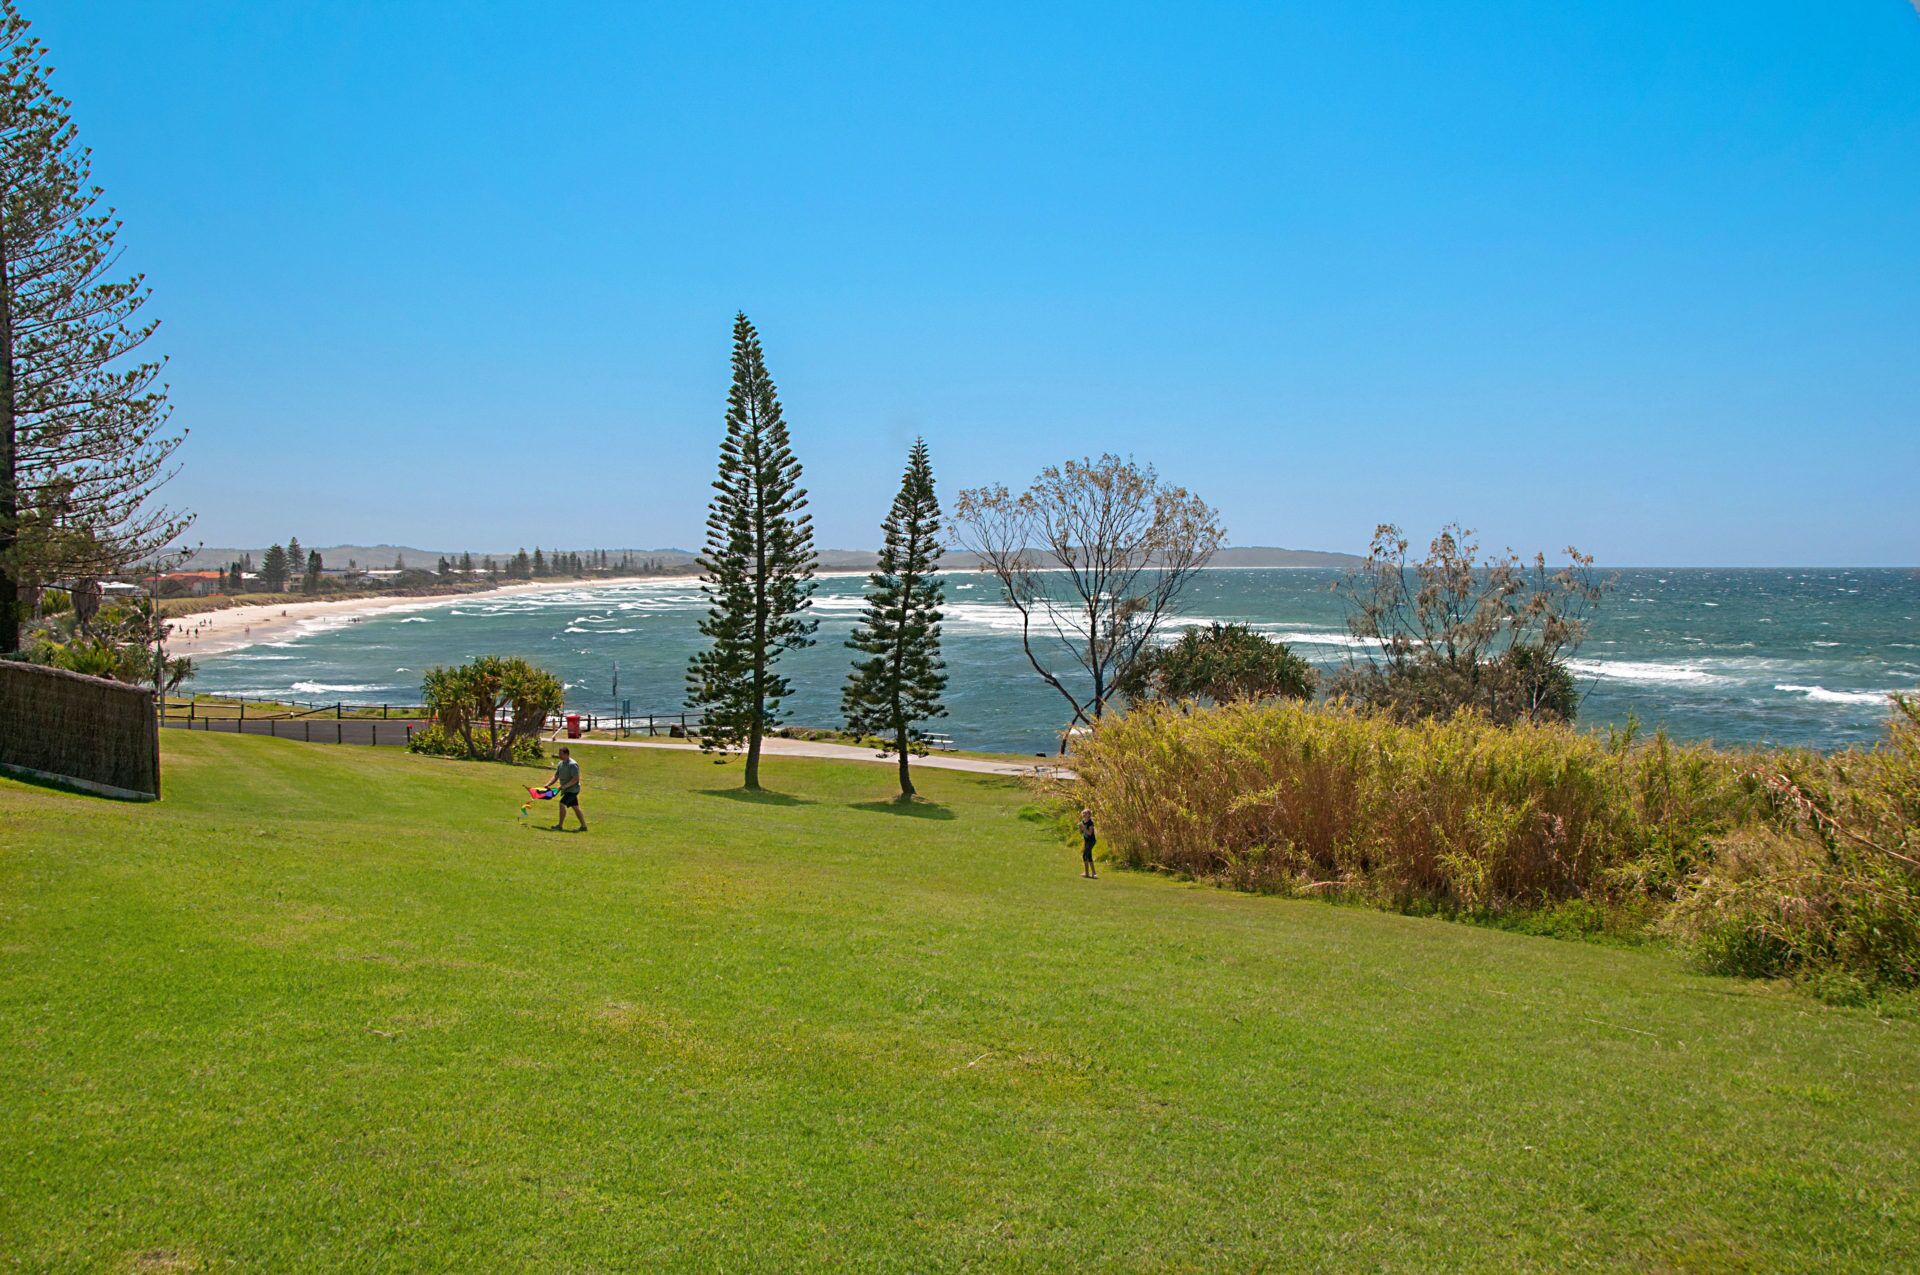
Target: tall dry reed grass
[{"x": 1467, "y": 816}]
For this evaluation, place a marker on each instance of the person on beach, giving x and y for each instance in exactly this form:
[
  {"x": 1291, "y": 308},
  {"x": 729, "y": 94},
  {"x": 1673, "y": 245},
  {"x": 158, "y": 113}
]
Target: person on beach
[
  {"x": 566, "y": 777},
  {"x": 1086, "y": 844}
]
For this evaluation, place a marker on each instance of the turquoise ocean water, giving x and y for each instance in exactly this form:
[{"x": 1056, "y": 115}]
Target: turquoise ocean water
[{"x": 1740, "y": 656}]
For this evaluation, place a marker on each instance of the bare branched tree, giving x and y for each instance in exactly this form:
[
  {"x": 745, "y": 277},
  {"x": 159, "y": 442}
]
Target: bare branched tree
[
  {"x": 1454, "y": 632},
  {"x": 1094, "y": 556},
  {"x": 84, "y": 442}
]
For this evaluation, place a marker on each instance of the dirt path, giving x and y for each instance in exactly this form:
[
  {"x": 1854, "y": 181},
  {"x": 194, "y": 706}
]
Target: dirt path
[{"x": 847, "y": 752}]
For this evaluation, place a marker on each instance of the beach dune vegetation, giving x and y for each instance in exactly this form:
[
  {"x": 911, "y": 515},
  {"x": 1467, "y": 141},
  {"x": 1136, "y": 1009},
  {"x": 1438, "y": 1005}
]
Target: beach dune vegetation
[
  {"x": 1764, "y": 863},
  {"x": 1455, "y": 632},
  {"x": 1221, "y": 663}
]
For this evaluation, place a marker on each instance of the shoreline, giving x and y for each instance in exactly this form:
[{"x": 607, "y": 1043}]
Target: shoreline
[{"x": 235, "y": 628}]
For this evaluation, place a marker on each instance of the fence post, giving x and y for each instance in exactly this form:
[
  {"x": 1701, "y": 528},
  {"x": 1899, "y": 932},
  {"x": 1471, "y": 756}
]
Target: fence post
[
  {"x": 309, "y": 726},
  {"x": 338, "y": 710}
]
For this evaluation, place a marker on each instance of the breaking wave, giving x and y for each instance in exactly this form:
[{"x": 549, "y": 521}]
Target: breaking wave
[
  {"x": 1821, "y": 695},
  {"x": 1648, "y": 671}
]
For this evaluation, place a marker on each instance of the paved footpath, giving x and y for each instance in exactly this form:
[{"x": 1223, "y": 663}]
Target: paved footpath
[{"x": 776, "y": 747}]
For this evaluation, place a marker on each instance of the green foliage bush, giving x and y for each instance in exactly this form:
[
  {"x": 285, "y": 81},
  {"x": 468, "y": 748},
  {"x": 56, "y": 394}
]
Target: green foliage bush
[
  {"x": 491, "y": 709},
  {"x": 1455, "y": 632},
  {"x": 1782, "y": 863},
  {"x": 1220, "y": 662},
  {"x": 1837, "y": 890},
  {"x": 436, "y": 741},
  {"x": 113, "y": 642}
]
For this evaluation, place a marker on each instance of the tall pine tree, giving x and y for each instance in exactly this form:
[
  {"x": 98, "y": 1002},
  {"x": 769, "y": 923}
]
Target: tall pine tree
[
  {"x": 891, "y": 693},
  {"x": 273, "y": 568},
  {"x": 84, "y": 442},
  {"x": 757, "y": 571}
]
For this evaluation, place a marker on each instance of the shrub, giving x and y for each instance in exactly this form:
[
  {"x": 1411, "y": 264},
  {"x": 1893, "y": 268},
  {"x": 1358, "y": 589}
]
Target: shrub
[
  {"x": 1457, "y": 813},
  {"x": 1832, "y": 892},
  {"x": 1456, "y": 633},
  {"x": 1766, "y": 864},
  {"x": 114, "y": 641},
  {"x": 435, "y": 741},
  {"x": 488, "y": 710},
  {"x": 1785, "y": 904},
  {"x": 1221, "y": 663}
]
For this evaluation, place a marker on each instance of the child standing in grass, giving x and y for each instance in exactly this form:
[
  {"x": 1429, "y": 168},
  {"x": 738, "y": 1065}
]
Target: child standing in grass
[{"x": 1086, "y": 844}]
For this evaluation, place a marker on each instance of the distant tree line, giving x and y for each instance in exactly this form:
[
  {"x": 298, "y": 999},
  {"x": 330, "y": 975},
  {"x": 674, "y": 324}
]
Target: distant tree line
[{"x": 290, "y": 568}]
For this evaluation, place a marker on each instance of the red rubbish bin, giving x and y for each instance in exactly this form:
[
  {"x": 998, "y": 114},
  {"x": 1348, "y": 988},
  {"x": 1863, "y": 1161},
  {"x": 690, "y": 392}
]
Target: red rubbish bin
[{"x": 573, "y": 725}]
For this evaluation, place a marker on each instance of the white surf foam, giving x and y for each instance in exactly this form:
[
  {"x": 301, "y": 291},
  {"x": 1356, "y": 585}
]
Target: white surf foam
[
  {"x": 1313, "y": 637},
  {"x": 1821, "y": 695},
  {"x": 1648, "y": 671}
]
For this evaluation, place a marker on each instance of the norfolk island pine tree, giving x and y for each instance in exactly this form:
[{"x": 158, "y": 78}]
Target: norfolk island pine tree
[
  {"x": 891, "y": 693},
  {"x": 757, "y": 571},
  {"x": 84, "y": 440}
]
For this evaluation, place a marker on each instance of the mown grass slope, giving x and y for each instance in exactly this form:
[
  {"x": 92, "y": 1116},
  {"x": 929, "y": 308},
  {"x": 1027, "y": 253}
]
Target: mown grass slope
[{"x": 331, "y": 1007}]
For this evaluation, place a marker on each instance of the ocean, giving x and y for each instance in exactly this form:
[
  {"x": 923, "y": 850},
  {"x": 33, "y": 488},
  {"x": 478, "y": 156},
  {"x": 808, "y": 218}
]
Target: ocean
[{"x": 1801, "y": 657}]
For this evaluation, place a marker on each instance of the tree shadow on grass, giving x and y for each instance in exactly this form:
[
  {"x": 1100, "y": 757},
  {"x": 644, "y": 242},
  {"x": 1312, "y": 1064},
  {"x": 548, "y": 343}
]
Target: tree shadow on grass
[
  {"x": 911, "y": 809},
  {"x": 755, "y": 797}
]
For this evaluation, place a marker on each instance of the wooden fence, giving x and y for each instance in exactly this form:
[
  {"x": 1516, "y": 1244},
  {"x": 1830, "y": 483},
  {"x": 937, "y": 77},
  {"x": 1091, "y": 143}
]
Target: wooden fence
[
  {"x": 371, "y": 731},
  {"x": 381, "y": 724},
  {"x": 81, "y": 732}
]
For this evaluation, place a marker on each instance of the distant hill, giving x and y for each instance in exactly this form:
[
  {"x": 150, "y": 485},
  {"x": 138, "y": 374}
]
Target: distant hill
[{"x": 1252, "y": 556}]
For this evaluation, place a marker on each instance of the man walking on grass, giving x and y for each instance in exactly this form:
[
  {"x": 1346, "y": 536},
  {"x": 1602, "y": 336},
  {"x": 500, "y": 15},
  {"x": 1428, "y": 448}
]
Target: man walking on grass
[{"x": 566, "y": 777}]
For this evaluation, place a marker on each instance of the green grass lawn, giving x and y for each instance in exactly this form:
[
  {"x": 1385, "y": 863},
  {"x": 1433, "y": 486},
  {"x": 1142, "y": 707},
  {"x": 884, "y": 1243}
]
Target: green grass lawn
[{"x": 341, "y": 1008}]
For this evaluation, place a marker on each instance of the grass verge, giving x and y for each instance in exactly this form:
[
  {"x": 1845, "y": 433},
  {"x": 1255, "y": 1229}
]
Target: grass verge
[{"x": 329, "y": 1008}]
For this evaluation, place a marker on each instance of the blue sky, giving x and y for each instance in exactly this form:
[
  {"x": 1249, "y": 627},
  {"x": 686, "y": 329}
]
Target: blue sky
[{"x": 1640, "y": 276}]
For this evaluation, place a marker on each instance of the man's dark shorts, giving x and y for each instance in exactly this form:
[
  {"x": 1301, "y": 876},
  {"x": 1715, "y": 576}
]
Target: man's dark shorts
[{"x": 570, "y": 799}]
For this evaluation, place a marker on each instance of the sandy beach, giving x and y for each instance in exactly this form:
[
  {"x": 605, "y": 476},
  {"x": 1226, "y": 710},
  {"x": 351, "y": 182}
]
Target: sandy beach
[{"x": 231, "y": 628}]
